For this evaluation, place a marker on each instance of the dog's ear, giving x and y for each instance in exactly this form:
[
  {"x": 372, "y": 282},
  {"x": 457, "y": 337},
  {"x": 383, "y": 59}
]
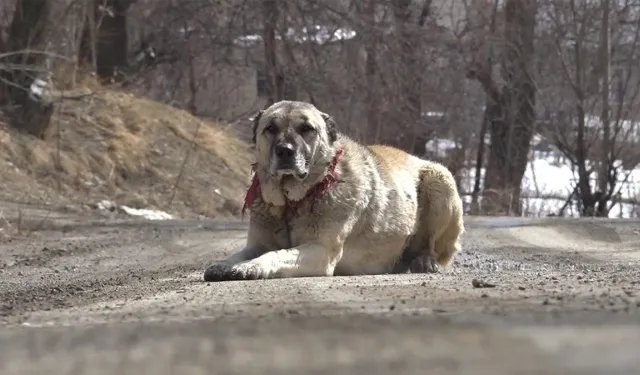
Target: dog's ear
[
  {"x": 332, "y": 127},
  {"x": 256, "y": 120}
]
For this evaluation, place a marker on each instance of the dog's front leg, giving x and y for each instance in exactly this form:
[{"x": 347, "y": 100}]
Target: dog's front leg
[
  {"x": 312, "y": 259},
  {"x": 220, "y": 268}
]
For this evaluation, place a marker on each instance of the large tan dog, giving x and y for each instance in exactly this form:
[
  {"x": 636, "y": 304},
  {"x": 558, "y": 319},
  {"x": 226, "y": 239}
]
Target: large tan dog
[{"x": 322, "y": 204}]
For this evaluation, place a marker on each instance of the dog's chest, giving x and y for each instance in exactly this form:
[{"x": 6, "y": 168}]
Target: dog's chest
[
  {"x": 291, "y": 225},
  {"x": 301, "y": 223}
]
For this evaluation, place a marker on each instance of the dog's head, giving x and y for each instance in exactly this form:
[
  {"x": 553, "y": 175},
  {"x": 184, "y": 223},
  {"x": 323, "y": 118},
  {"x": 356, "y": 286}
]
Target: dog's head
[{"x": 291, "y": 137}]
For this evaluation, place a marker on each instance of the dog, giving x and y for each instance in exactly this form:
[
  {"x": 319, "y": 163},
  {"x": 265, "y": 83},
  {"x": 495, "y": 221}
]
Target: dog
[{"x": 322, "y": 204}]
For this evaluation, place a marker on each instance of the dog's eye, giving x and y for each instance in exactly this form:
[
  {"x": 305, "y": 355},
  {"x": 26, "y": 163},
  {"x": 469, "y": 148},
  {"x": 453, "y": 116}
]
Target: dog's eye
[
  {"x": 306, "y": 128},
  {"x": 271, "y": 129}
]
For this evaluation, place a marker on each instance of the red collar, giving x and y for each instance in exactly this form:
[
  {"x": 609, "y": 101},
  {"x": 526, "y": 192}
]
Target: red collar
[{"x": 317, "y": 191}]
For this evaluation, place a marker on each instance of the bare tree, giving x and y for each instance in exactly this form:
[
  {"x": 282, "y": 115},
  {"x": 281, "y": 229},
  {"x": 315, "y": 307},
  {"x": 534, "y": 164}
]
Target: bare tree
[
  {"x": 510, "y": 108},
  {"x": 105, "y": 42},
  {"x": 408, "y": 25},
  {"x": 596, "y": 127},
  {"x": 24, "y": 71},
  {"x": 274, "y": 76}
]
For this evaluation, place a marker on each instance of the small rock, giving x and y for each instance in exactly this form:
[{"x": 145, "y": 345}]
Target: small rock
[
  {"x": 392, "y": 307},
  {"x": 546, "y": 302},
  {"x": 481, "y": 284},
  {"x": 484, "y": 295},
  {"x": 521, "y": 288}
]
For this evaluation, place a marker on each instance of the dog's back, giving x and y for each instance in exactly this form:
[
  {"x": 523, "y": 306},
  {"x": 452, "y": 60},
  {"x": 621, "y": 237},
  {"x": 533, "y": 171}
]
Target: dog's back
[
  {"x": 405, "y": 196},
  {"x": 439, "y": 212}
]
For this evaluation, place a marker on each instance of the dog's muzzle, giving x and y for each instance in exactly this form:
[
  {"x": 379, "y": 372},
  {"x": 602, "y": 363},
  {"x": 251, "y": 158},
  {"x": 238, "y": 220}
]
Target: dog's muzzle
[
  {"x": 286, "y": 155},
  {"x": 287, "y": 161}
]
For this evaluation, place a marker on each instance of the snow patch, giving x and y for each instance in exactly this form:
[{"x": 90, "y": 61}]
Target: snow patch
[
  {"x": 316, "y": 34},
  {"x": 37, "y": 88},
  {"x": 440, "y": 146},
  {"x": 145, "y": 213},
  {"x": 549, "y": 180}
]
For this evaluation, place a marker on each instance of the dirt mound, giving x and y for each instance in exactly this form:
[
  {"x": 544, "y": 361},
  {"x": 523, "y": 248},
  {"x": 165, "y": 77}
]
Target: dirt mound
[{"x": 111, "y": 145}]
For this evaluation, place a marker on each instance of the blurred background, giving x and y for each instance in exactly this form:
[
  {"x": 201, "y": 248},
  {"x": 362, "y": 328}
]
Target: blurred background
[{"x": 142, "y": 107}]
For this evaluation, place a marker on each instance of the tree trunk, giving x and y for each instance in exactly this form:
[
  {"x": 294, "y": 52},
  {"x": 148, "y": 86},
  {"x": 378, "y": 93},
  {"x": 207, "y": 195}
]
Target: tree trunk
[
  {"x": 605, "y": 189},
  {"x": 409, "y": 38},
  {"x": 275, "y": 80},
  {"x": 374, "y": 121},
  {"x": 27, "y": 32},
  {"x": 105, "y": 42},
  {"x": 587, "y": 199},
  {"x": 87, "y": 44},
  {"x": 513, "y": 111},
  {"x": 475, "y": 205}
]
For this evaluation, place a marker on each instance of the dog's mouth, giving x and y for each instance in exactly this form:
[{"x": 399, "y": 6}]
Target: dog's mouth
[
  {"x": 292, "y": 173},
  {"x": 297, "y": 168}
]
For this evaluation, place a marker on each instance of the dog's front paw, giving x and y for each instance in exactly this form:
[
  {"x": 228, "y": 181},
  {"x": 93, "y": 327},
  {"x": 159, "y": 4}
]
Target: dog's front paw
[
  {"x": 216, "y": 271},
  {"x": 226, "y": 272}
]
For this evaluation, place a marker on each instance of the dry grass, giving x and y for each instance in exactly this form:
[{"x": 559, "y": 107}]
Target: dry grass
[{"x": 112, "y": 145}]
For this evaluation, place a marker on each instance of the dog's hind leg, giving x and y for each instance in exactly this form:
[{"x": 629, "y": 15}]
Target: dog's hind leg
[
  {"x": 448, "y": 244},
  {"x": 440, "y": 212},
  {"x": 426, "y": 263},
  {"x": 437, "y": 250},
  {"x": 418, "y": 255}
]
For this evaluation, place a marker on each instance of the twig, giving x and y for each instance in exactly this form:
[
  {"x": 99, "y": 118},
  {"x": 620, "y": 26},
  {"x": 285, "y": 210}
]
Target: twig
[
  {"x": 184, "y": 164},
  {"x": 24, "y": 51},
  {"x": 78, "y": 97}
]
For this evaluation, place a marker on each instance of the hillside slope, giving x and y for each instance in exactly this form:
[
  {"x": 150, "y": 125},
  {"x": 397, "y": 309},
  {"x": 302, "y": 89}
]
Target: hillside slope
[{"x": 110, "y": 145}]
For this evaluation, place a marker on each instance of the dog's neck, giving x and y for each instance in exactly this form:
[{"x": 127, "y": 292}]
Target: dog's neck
[{"x": 316, "y": 191}]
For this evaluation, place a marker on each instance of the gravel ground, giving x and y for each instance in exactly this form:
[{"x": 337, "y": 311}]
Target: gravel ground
[{"x": 534, "y": 296}]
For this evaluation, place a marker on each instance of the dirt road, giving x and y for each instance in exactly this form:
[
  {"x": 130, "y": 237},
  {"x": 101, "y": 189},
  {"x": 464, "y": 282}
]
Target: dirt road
[{"x": 82, "y": 297}]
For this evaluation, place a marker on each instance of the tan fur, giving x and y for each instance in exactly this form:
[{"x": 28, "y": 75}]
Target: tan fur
[
  {"x": 440, "y": 223},
  {"x": 390, "y": 210}
]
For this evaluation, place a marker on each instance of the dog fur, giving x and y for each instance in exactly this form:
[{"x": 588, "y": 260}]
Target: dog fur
[{"x": 388, "y": 212}]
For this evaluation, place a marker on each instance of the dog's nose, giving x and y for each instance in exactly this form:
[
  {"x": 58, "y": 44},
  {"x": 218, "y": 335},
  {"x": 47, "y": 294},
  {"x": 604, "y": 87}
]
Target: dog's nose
[{"x": 284, "y": 150}]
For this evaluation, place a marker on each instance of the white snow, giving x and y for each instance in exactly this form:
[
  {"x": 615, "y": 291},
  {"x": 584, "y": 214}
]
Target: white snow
[
  {"x": 106, "y": 205},
  {"x": 146, "y": 213},
  {"x": 625, "y": 129},
  {"x": 440, "y": 146},
  {"x": 547, "y": 175},
  {"x": 37, "y": 87},
  {"x": 549, "y": 179},
  {"x": 316, "y": 34},
  {"x": 142, "y": 212}
]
